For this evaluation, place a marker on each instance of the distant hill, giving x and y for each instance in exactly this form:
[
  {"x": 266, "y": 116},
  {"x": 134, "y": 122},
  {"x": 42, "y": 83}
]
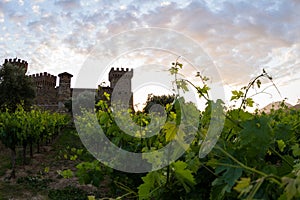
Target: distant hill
[
  {"x": 297, "y": 106},
  {"x": 275, "y": 106}
]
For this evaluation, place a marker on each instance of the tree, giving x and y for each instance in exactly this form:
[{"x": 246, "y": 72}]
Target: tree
[
  {"x": 160, "y": 100},
  {"x": 15, "y": 87}
]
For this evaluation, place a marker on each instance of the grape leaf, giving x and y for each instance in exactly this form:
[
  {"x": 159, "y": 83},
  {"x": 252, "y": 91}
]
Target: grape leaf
[
  {"x": 170, "y": 129},
  {"x": 151, "y": 180},
  {"x": 296, "y": 150},
  {"x": 230, "y": 175},
  {"x": 292, "y": 188},
  {"x": 281, "y": 145},
  {"x": 236, "y": 94},
  {"x": 243, "y": 186},
  {"x": 184, "y": 175},
  {"x": 283, "y": 131},
  {"x": 256, "y": 137}
]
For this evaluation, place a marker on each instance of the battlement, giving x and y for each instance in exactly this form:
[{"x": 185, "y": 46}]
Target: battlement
[
  {"x": 45, "y": 74},
  {"x": 45, "y": 79},
  {"x": 52, "y": 97},
  {"x": 116, "y": 73},
  {"x": 18, "y": 62},
  {"x": 120, "y": 69}
]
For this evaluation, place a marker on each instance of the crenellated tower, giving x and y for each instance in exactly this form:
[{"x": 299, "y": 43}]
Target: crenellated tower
[
  {"x": 18, "y": 62},
  {"x": 64, "y": 92},
  {"x": 116, "y": 74},
  {"x": 52, "y": 97},
  {"x": 45, "y": 84},
  {"x": 120, "y": 84}
]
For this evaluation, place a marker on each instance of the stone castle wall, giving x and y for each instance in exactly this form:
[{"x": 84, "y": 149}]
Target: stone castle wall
[
  {"x": 45, "y": 89},
  {"x": 52, "y": 97},
  {"x": 120, "y": 82}
]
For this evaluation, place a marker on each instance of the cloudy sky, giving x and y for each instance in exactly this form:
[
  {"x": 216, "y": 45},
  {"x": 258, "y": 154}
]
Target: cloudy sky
[{"x": 240, "y": 37}]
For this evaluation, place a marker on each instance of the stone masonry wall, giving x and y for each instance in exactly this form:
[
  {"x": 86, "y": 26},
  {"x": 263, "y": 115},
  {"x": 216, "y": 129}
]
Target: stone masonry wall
[{"x": 52, "y": 97}]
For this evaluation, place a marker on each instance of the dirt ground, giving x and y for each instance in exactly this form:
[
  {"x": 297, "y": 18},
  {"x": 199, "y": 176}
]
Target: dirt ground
[{"x": 34, "y": 180}]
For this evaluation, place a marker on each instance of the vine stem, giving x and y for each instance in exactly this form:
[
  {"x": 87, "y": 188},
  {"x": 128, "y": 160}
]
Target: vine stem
[
  {"x": 175, "y": 76},
  {"x": 227, "y": 165},
  {"x": 209, "y": 170},
  {"x": 284, "y": 159},
  {"x": 264, "y": 74},
  {"x": 248, "y": 88},
  {"x": 127, "y": 189},
  {"x": 200, "y": 92},
  {"x": 250, "y": 168},
  {"x": 256, "y": 187}
]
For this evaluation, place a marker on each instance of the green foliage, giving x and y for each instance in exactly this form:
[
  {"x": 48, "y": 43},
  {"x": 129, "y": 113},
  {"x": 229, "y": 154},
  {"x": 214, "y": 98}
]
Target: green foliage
[
  {"x": 243, "y": 92},
  {"x": 9, "y": 127},
  {"x": 255, "y": 157},
  {"x": 292, "y": 187},
  {"x": 296, "y": 150},
  {"x": 152, "y": 182},
  {"x": 228, "y": 176},
  {"x": 15, "y": 87},
  {"x": 183, "y": 175},
  {"x": 255, "y": 137},
  {"x": 160, "y": 100},
  {"x": 170, "y": 130},
  {"x": 66, "y": 173},
  {"x": 156, "y": 183},
  {"x": 89, "y": 173},
  {"x": 236, "y": 94},
  {"x": 28, "y": 127},
  {"x": 243, "y": 186}
]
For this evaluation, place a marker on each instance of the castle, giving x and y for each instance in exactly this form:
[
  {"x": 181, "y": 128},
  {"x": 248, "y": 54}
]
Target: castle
[{"x": 53, "y": 98}]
